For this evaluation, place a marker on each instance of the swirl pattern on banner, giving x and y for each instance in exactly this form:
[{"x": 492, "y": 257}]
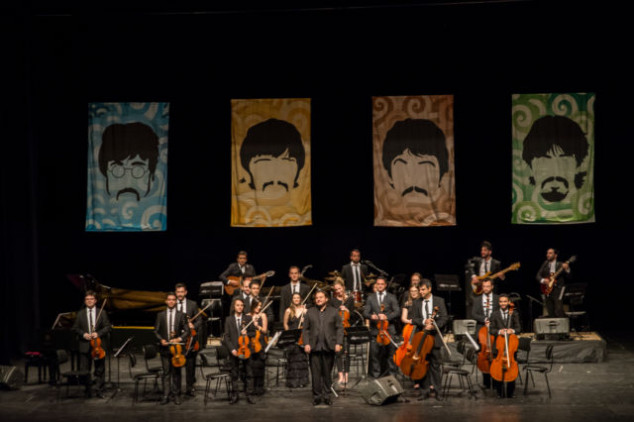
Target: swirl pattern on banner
[
  {"x": 553, "y": 158},
  {"x": 127, "y": 192},
  {"x": 413, "y": 152}
]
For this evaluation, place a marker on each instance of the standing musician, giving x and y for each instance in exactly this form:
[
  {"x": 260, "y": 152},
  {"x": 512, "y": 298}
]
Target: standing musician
[
  {"x": 171, "y": 329},
  {"x": 323, "y": 337},
  {"x": 501, "y": 321},
  {"x": 355, "y": 272},
  {"x": 407, "y": 306},
  {"x": 255, "y": 288},
  {"x": 344, "y": 304},
  {"x": 240, "y": 365},
  {"x": 553, "y": 301},
  {"x": 422, "y": 310},
  {"x": 190, "y": 309},
  {"x": 244, "y": 292},
  {"x": 477, "y": 267},
  {"x": 382, "y": 306},
  {"x": 258, "y": 358},
  {"x": 297, "y": 367},
  {"x": 91, "y": 324},
  {"x": 414, "y": 281},
  {"x": 483, "y": 307},
  {"x": 241, "y": 269},
  {"x": 294, "y": 286}
]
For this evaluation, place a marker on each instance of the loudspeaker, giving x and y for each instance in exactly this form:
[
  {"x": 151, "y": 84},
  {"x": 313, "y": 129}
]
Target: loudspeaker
[
  {"x": 381, "y": 390},
  {"x": 551, "y": 328},
  {"x": 11, "y": 377}
]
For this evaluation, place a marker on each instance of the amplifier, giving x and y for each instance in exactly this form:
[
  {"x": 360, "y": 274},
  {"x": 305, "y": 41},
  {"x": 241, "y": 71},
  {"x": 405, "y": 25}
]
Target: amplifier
[
  {"x": 551, "y": 328},
  {"x": 211, "y": 289},
  {"x": 381, "y": 390}
]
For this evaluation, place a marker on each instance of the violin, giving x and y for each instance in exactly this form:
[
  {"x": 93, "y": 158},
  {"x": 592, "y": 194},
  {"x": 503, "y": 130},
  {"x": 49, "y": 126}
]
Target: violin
[
  {"x": 383, "y": 338},
  {"x": 415, "y": 364},
  {"x": 504, "y": 367},
  {"x": 244, "y": 352},
  {"x": 406, "y": 347},
  {"x": 192, "y": 341},
  {"x": 97, "y": 352},
  {"x": 176, "y": 349}
]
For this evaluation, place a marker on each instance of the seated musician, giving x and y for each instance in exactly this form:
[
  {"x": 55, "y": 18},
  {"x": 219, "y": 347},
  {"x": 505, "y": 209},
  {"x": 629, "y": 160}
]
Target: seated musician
[
  {"x": 501, "y": 322},
  {"x": 343, "y": 303},
  {"x": 91, "y": 324},
  {"x": 483, "y": 306},
  {"x": 258, "y": 360},
  {"x": 240, "y": 365},
  {"x": 171, "y": 328},
  {"x": 382, "y": 306},
  {"x": 422, "y": 311}
]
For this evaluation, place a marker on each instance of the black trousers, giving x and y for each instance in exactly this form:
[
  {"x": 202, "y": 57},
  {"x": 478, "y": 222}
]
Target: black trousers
[
  {"x": 434, "y": 374},
  {"x": 85, "y": 363},
  {"x": 499, "y": 387},
  {"x": 554, "y": 306},
  {"x": 171, "y": 376},
  {"x": 321, "y": 364},
  {"x": 342, "y": 359},
  {"x": 190, "y": 370},
  {"x": 241, "y": 370},
  {"x": 381, "y": 359}
]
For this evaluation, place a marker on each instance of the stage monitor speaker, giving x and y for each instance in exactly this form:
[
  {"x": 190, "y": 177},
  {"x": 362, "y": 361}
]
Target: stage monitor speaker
[
  {"x": 381, "y": 390},
  {"x": 11, "y": 378},
  {"x": 551, "y": 328}
]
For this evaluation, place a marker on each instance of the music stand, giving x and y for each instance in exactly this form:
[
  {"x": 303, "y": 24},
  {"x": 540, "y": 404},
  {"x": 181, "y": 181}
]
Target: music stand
[
  {"x": 447, "y": 283},
  {"x": 117, "y": 356},
  {"x": 288, "y": 337},
  {"x": 356, "y": 336}
]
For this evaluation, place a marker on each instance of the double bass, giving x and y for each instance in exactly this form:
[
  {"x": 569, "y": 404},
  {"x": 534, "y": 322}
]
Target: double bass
[
  {"x": 415, "y": 363},
  {"x": 504, "y": 367}
]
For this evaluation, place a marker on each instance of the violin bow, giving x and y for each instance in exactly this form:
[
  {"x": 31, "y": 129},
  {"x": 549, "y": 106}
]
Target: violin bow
[
  {"x": 99, "y": 314},
  {"x": 261, "y": 311}
]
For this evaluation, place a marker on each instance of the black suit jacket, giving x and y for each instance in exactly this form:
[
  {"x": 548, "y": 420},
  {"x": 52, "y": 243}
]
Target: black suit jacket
[
  {"x": 286, "y": 297},
  {"x": 161, "y": 330},
  {"x": 474, "y": 269},
  {"x": 332, "y": 329},
  {"x": 80, "y": 327},
  {"x": 477, "y": 312},
  {"x": 497, "y": 323},
  {"x": 348, "y": 277},
  {"x": 441, "y": 316},
  {"x": 234, "y": 270},
  {"x": 232, "y": 333},
  {"x": 392, "y": 311},
  {"x": 239, "y": 294},
  {"x": 544, "y": 272},
  {"x": 190, "y": 311}
]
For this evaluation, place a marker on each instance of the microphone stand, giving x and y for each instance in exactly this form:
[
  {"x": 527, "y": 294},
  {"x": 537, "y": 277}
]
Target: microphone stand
[
  {"x": 117, "y": 356},
  {"x": 371, "y": 264}
]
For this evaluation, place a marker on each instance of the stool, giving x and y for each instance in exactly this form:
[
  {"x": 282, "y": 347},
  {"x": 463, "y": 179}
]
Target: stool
[{"x": 35, "y": 359}]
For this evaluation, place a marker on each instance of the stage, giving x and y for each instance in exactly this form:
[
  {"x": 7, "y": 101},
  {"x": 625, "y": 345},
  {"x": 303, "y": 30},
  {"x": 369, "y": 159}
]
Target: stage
[{"x": 587, "y": 391}]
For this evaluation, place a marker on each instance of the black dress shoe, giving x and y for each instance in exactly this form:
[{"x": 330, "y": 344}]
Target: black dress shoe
[
  {"x": 177, "y": 400},
  {"x": 328, "y": 402},
  {"x": 165, "y": 400},
  {"x": 100, "y": 394},
  {"x": 433, "y": 394},
  {"x": 316, "y": 402},
  {"x": 250, "y": 400},
  {"x": 234, "y": 400},
  {"x": 190, "y": 393}
]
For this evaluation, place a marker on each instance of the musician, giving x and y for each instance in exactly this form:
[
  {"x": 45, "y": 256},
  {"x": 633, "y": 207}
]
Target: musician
[
  {"x": 190, "y": 309},
  {"x": 294, "y": 286},
  {"x": 355, "y": 272},
  {"x": 553, "y": 301},
  {"x": 297, "y": 367},
  {"x": 170, "y": 328},
  {"x": 240, "y": 367},
  {"x": 414, "y": 281},
  {"x": 254, "y": 288},
  {"x": 323, "y": 337},
  {"x": 244, "y": 293},
  {"x": 342, "y": 303},
  {"x": 380, "y": 306},
  {"x": 240, "y": 268},
  {"x": 501, "y": 322},
  {"x": 258, "y": 360},
  {"x": 422, "y": 310},
  {"x": 91, "y": 324},
  {"x": 407, "y": 306},
  {"x": 483, "y": 307},
  {"x": 477, "y": 267}
]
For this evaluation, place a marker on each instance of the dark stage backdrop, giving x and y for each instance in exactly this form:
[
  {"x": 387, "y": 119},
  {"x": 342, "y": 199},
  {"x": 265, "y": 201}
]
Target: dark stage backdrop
[{"x": 339, "y": 58}]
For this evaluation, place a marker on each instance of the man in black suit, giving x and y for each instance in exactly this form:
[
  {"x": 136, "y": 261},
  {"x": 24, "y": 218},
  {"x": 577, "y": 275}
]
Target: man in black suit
[
  {"x": 240, "y": 268},
  {"x": 190, "y": 309},
  {"x": 91, "y": 324},
  {"x": 382, "y": 306},
  {"x": 255, "y": 287},
  {"x": 553, "y": 301},
  {"x": 170, "y": 328},
  {"x": 504, "y": 321},
  {"x": 240, "y": 365},
  {"x": 323, "y": 337},
  {"x": 294, "y": 286},
  {"x": 483, "y": 307},
  {"x": 355, "y": 272},
  {"x": 244, "y": 293},
  {"x": 477, "y": 267},
  {"x": 422, "y": 312}
]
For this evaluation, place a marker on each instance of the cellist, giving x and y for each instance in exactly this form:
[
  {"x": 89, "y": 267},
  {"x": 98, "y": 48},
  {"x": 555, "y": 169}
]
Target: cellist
[
  {"x": 344, "y": 304},
  {"x": 91, "y": 324},
  {"x": 502, "y": 321},
  {"x": 190, "y": 309},
  {"x": 170, "y": 328},
  {"x": 421, "y": 313},
  {"x": 240, "y": 368},
  {"x": 483, "y": 307},
  {"x": 381, "y": 306}
]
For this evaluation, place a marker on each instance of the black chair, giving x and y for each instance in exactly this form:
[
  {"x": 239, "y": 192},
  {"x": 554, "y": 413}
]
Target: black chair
[
  {"x": 542, "y": 369},
  {"x": 451, "y": 369},
  {"x": 69, "y": 378},
  {"x": 220, "y": 373},
  {"x": 523, "y": 354},
  {"x": 152, "y": 361},
  {"x": 574, "y": 295},
  {"x": 137, "y": 377}
]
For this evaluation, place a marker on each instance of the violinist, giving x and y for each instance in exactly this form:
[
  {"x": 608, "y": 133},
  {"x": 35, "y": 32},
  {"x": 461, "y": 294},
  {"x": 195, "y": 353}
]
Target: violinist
[
  {"x": 421, "y": 317},
  {"x": 483, "y": 307},
  {"x": 323, "y": 337},
  {"x": 255, "y": 288},
  {"x": 295, "y": 285},
  {"x": 258, "y": 357},
  {"x": 344, "y": 304},
  {"x": 171, "y": 329},
  {"x": 503, "y": 321},
  {"x": 297, "y": 367},
  {"x": 235, "y": 337},
  {"x": 91, "y": 324},
  {"x": 380, "y": 307},
  {"x": 190, "y": 309}
]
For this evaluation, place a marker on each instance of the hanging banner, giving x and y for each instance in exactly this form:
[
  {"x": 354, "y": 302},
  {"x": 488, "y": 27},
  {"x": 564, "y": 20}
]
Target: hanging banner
[
  {"x": 127, "y": 167},
  {"x": 270, "y": 156},
  {"x": 413, "y": 150},
  {"x": 553, "y": 158}
]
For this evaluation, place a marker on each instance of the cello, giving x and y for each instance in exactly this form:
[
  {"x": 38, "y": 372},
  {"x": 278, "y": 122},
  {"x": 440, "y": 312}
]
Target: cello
[
  {"x": 415, "y": 363},
  {"x": 486, "y": 352},
  {"x": 504, "y": 367},
  {"x": 408, "y": 334}
]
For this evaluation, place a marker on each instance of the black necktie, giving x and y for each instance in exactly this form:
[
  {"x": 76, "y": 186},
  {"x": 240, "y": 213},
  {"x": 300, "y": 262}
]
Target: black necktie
[
  {"x": 239, "y": 324},
  {"x": 427, "y": 308},
  {"x": 180, "y": 306},
  {"x": 170, "y": 321},
  {"x": 92, "y": 321}
]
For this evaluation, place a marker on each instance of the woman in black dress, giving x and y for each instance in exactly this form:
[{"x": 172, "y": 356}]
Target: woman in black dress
[
  {"x": 297, "y": 360},
  {"x": 344, "y": 303},
  {"x": 260, "y": 321}
]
